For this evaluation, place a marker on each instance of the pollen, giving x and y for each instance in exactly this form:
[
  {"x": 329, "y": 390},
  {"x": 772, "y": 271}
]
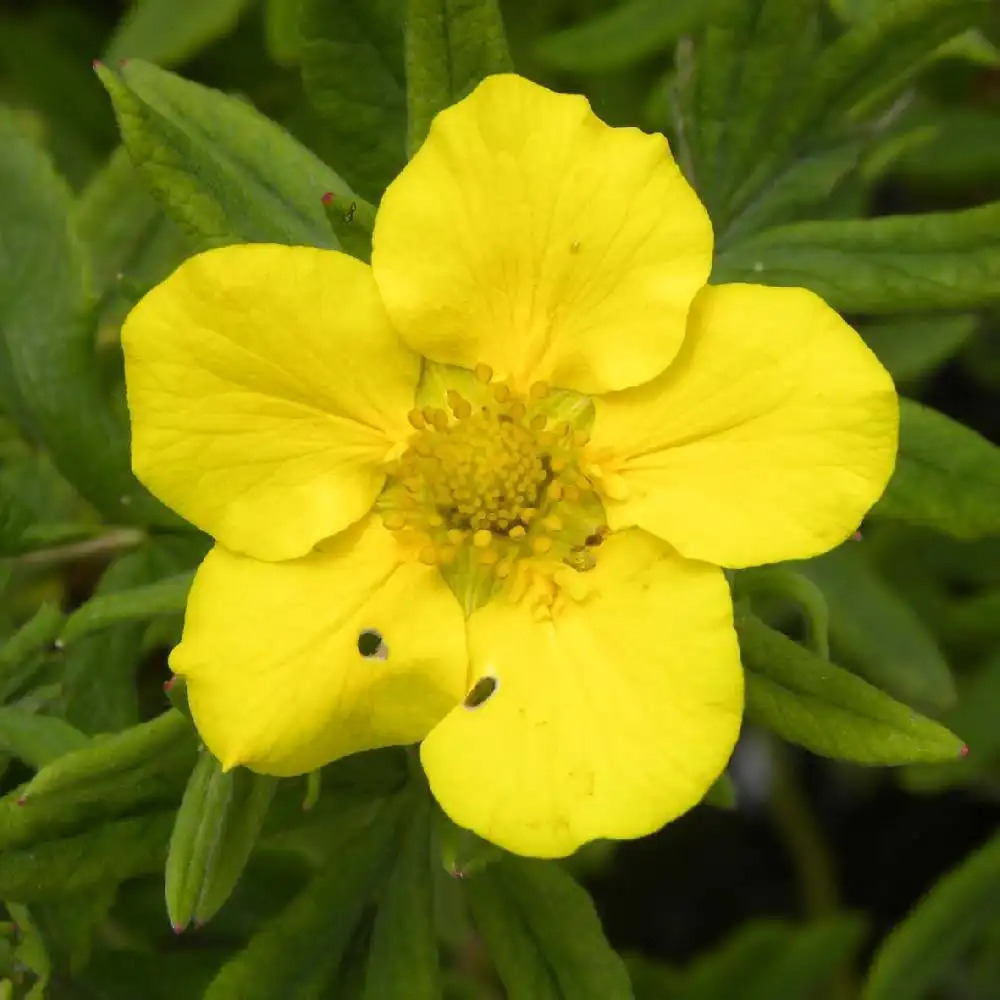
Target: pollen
[{"x": 495, "y": 476}]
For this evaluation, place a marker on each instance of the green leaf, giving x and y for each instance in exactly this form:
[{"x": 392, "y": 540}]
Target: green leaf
[
  {"x": 216, "y": 828},
  {"x": 281, "y": 30},
  {"x": 809, "y": 701},
  {"x": 403, "y": 959},
  {"x": 19, "y": 654},
  {"x": 165, "y": 597},
  {"x": 945, "y": 260},
  {"x": 37, "y": 739},
  {"x": 748, "y": 52},
  {"x": 169, "y": 31},
  {"x": 49, "y": 379},
  {"x": 918, "y": 952},
  {"x": 876, "y": 633},
  {"x": 353, "y": 221},
  {"x": 451, "y": 45},
  {"x": 543, "y": 933},
  {"x": 947, "y": 476},
  {"x": 108, "y": 777},
  {"x": 722, "y": 794},
  {"x": 617, "y": 38},
  {"x": 107, "y": 852},
  {"x": 297, "y": 951},
  {"x": 130, "y": 244},
  {"x": 221, "y": 169},
  {"x": 911, "y": 347},
  {"x": 352, "y": 69},
  {"x": 100, "y": 664}
]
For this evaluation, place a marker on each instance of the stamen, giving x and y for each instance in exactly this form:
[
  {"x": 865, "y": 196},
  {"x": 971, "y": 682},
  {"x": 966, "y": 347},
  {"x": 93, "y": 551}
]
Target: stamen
[{"x": 484, "y": 373}]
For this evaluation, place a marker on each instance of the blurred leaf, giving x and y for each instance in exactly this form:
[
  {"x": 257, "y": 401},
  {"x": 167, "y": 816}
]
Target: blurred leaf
[
  {"x": 911, "y": 347},
  {"x": 108, "y": 777},
  {"x": 403, "y": 960},
  {"x": 773, "y": 960},
  {"x": 71, "y": 924},
  {"x": 296, "y": 952},
  {"x": 37, "y": 739},
  {"x": 627, "y": 33},
  {"x": 722, "y": 794},
  {"x": 49, "y": 379},
  {"x": 221, "y": 169},
  {"x": 18, "y": 655},
  {"x": 916, "y": 954},
  {"x": 543, "y": 933},
  {"x": 281, "y": 30},
  {"x": 164, "y": 597},
  {"x": 962, "y": 148},
  {"x": 450, "y": 46},
  {"x": 169, "y": 31},
  {"x": 99, "y": 672},
  {"x": 809, "y": 701},
  {"x": 946, "y": 260},
  {"x": 215, "y": 830},
  {"x": 352, "y": 69},
  {"x": 128, "y": 241},
  {"x": 878, "y": 634},
  {"x": 947, "y": 476},
  {"x": 109, "y": 852}
]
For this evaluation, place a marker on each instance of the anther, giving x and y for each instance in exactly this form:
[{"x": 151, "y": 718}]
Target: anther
[
  {"x": 482, "y": 538},
  {"x": 538, "y": 422},
  {"x": 484, "y": 373},
  {"x": 416, "y": 419},
  {"x": 541, "y": 545},
  {"x": 501, "y": 393},
  {"x": 517, "y": 532},
  {"x": 553, "y": 522},
  {"x": 428, "y": 556},
  {"x": 460, "y": 406},
  {"x": 538, "y": 391},
  {"x": 393, "y": 520}
]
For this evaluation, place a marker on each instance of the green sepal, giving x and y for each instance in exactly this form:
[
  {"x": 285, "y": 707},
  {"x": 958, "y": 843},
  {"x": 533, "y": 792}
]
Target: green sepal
[
  {"x": 451, "y": 45},
  {"x": 217, "y": 825},
  {"x": 462, "y": 853},
  {"x": 809, "y": 701},
  {"x": 352, "y": 220}
]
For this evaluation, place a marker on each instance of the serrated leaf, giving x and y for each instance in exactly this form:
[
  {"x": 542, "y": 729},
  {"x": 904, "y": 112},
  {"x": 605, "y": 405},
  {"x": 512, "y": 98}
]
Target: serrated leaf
[
  {"x": 49, "y": 378},
  {"x": 919, "y": 951},
  {"x": 947, "y": 476},
  {"x": 37, "y": 739},
  {"x": 109, "y": 852},
  {"x": 297, "y": 951},
  {"x": 403, "y": 961},
  {"x": 809, "y": 701},
  {"x": 221, "y": 169},
  {"x": 351, "y": 56},
  {"x": 942, "y": 260},
  {"x": 169, "y": 31},
  {"x": 451, "y": 45},
  {"x": 543, "y": 933},
  {"x": 615, "y": 39},
  {"x": 878, "y": 634}
]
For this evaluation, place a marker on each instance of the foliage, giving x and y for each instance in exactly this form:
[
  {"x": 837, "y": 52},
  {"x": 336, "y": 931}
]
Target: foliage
[{"x": 851, "y": 148}]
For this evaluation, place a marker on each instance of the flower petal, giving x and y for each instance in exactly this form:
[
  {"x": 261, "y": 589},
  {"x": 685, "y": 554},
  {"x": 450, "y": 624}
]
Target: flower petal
[
  {"x": 768, "y": 438},
  {"x": 266, "y": 388},
  {"x": 608, "y": 720},
  {"x": 271, "y": 655},
  {"x": 527, "y": 234}
]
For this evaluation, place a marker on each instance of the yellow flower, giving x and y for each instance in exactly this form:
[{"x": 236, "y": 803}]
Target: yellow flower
[{"x": 478, "y": 493}]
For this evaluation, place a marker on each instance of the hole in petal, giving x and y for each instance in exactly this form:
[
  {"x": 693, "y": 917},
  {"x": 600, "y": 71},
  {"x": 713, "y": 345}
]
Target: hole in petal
[
  {"x": 481, "y": 692},
  {"x": 371, "y": 645}
]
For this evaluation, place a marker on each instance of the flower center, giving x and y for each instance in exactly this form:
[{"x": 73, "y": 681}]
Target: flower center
[{"x": 493, "y": 479}]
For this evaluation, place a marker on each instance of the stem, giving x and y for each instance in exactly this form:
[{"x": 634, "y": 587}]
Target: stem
[{"x": 114, "y": 541}]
